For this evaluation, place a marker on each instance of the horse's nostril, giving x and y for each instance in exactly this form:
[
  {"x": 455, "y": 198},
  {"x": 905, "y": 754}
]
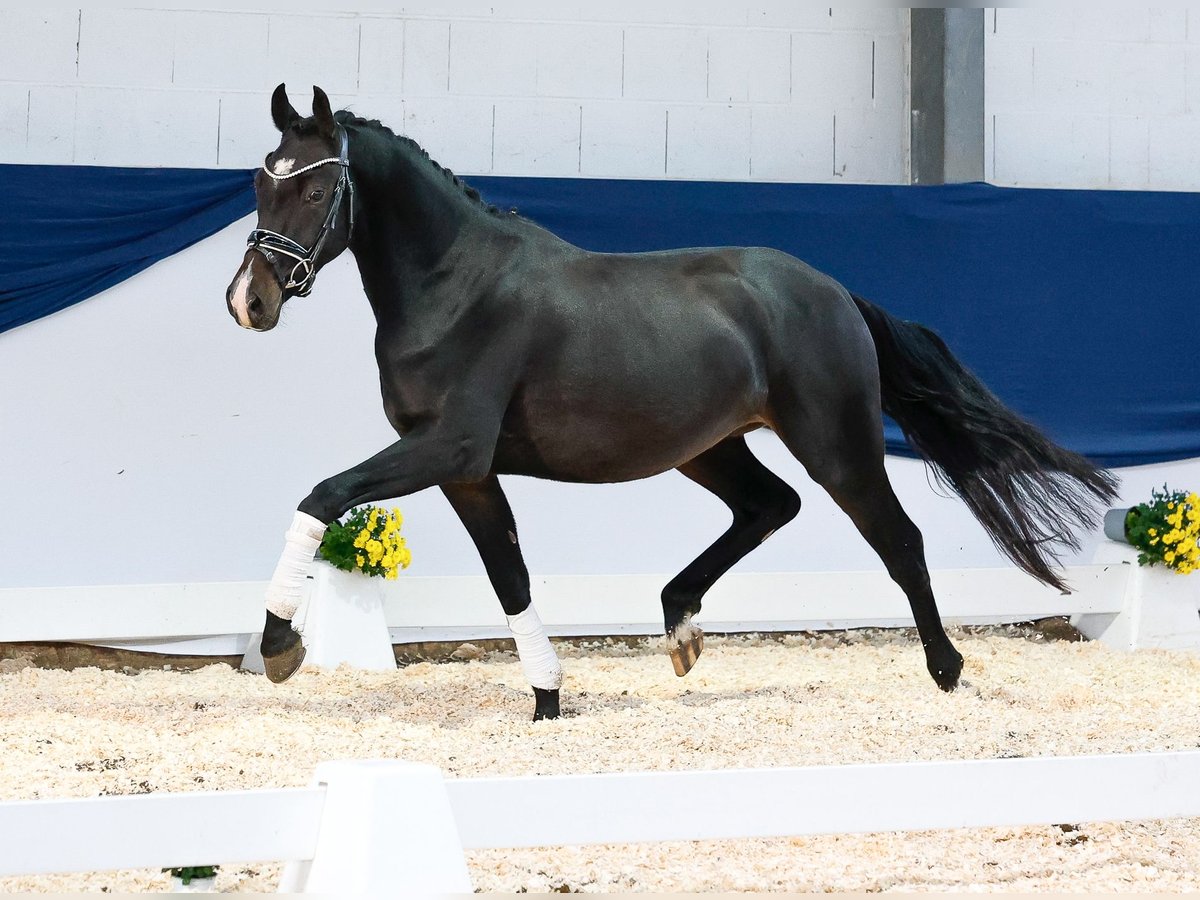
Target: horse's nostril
[{"x": 255, "y": 306}]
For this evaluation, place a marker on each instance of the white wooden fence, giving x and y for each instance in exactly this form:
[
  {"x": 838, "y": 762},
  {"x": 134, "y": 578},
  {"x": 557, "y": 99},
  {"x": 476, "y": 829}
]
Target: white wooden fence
[{"x": 391, "y": 827}]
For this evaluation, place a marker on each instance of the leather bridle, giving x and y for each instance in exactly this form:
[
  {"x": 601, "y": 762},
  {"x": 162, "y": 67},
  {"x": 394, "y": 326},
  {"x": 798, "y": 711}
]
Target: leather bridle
[{"x": 269, "y": 243}]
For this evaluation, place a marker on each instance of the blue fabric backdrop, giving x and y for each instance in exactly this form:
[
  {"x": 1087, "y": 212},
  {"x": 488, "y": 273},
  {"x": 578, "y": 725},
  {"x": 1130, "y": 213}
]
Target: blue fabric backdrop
[
  {"x": 68, "y": 232},
  {"x": 1077, "y": 307}
]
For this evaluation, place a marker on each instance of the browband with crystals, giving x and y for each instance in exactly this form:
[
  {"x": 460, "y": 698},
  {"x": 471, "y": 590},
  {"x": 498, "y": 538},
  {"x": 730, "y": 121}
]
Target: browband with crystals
[{"x": 301, "y": 171}]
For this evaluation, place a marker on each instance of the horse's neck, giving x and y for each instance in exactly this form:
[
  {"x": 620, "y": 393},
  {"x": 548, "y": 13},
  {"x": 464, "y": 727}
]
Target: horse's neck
[{"x": 412, "y": 217}]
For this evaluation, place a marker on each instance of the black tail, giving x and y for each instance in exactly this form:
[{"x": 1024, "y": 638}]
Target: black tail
[{"x": 1029, "y": 493}]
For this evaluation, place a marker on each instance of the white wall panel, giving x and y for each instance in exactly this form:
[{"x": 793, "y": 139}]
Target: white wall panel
[
  {"x": 426, "y": 58},
  {"x": 127, "y": 47},
  {"x": 623, "y": 139},
  {"x": 217, "y": 50},
  {"x": 1042, "y": 149},
  {"x": 1148, "y": 80},
  {"x": 537, "y": 137},
  {"x": 14, "y": 122},
  {"x": 128, "y": 127},
  {"x": 1174, "y": 153},
  {"x": 708, "y": 142},
  {"x": 831, "y": 71},
  {"x": 868, "y": 17},
  {"x": 381, "y": 56},
  {"x": 789, "y": 15},
  {"x": 749, "y": 65},
  {"x": 39, "y": 45},
  {"x": 666, "y": 63},
  {"x": 579, "y": 60},
  {"x": 1129, "y": 153},
  {"x": 493, "y": 59},
  {"x": 49, "y": 107},
  {"x": 868, "y": 144},
  {"x": 308, "y": 50},
  {"x": 788, "y": 144},
  {"x": 1093, "y": 96}
]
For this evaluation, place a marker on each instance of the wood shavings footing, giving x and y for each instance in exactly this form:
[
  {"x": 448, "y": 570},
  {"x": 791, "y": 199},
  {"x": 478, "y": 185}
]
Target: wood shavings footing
[{"x": 853, "y": 697}]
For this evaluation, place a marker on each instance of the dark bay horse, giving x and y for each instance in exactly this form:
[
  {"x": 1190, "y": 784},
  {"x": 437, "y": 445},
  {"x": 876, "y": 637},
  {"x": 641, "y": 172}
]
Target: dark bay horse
[{"x": 502, "y": 349}]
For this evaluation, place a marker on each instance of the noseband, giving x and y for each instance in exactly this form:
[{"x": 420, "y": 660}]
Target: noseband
[{"x": 268, "y": 243}]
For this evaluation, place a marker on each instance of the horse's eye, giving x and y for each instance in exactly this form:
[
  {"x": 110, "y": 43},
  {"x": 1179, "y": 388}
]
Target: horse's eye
[{"x": 316, "y": 195}]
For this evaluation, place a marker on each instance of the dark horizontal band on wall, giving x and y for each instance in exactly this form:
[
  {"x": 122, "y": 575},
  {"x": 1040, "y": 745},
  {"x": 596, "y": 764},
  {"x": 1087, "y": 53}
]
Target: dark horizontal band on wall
[{"x": 1078, "y": 308}]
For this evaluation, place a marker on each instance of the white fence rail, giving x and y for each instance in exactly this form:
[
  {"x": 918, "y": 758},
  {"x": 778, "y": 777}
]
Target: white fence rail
[{"x": 394, "y": 826}]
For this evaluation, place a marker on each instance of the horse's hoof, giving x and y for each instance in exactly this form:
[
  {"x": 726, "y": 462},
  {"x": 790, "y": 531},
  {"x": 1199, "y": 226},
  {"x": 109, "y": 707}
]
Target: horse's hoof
[
  {"x": 946, "y": 673},
  {"x": 688, "y": 645},
  {"x": 546, "y": 704},
  {"x": 281, "y": 667}
]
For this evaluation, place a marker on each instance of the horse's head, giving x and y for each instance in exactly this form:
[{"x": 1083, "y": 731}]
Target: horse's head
[{"x": 305, "y": 212}]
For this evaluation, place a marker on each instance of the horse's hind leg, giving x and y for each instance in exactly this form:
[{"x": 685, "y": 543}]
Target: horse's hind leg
[
  {"x": 760, "y": 501},
  {"x": 848, "y": 462},
  {"x": 484, "y": 511}
]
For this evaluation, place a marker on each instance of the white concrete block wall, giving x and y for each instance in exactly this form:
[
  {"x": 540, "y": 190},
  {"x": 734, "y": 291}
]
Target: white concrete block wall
[
  {"x": 1093, "y": 97},
  {"x": 527, "y": 87}
]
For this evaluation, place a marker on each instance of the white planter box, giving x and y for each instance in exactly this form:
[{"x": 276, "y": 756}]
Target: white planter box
[
  {"x": 341, "y": 621},
  {"x": 195, "y": 886},
  {"x": 1161, "y": 607}
]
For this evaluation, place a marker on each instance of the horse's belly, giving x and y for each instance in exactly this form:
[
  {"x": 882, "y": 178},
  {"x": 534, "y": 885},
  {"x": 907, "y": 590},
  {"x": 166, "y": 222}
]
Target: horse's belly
[{"x": 612, "y": 446}]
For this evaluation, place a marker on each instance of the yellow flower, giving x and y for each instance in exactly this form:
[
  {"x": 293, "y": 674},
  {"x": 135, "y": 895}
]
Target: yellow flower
[
  {"x": 1169, "y": 556},
  {"x": 360, "y": 559}
]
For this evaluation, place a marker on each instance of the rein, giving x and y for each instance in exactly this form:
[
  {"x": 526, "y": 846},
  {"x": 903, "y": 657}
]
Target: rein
[{"x": 268, "y": 243}]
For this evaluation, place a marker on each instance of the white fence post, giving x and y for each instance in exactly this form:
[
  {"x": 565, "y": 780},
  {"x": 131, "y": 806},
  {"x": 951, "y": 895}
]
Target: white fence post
[
  {"x": 387, "y": 829},
  {"x": 1161, "y": 608}
]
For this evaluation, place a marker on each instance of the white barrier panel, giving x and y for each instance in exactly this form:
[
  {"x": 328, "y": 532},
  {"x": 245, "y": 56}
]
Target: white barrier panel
[
  {"x": 462, "y": 608},
  {"x": 388, "y": 826}
]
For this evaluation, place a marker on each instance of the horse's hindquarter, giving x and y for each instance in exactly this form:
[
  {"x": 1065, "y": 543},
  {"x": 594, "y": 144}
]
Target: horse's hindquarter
[{"x": 639, "y": 362}]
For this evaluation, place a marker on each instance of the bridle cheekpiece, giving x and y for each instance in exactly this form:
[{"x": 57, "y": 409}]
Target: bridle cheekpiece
[{"x": 268, "y": 243}]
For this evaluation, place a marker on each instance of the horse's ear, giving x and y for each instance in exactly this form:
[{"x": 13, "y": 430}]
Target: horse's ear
[
  {"x": 282, "y": 113},
  {"x": 322, "y": 113}
]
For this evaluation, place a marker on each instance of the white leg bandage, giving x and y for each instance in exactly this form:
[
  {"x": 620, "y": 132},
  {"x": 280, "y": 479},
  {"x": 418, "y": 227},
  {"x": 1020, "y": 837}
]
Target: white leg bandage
[
  {"x": 533, "y": 647},
  {"x": 303, "y": 539}
]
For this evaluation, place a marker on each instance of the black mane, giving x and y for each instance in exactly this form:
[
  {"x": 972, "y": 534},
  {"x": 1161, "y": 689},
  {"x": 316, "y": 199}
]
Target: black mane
[{"x": 345, "y": 117}]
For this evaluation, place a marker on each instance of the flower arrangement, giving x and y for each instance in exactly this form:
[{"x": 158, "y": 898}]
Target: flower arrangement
[
  {"x": 368, "y": 541},
  {"x": 1167, "y": 530}
]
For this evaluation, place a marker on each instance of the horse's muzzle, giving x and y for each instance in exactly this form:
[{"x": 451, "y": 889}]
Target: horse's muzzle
[{"x": 254, "y": 297}]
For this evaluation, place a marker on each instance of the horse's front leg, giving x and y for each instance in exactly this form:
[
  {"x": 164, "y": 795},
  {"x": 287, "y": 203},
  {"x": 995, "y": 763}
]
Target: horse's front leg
[
  {"x": 484, "y": 511},
  {"x": 419, "y": 461}
]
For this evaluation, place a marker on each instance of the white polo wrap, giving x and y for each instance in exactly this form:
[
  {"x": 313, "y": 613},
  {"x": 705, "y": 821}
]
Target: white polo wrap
[
  {"x": 302, "y": 540},
  {"x": 533, "y": 647}
]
